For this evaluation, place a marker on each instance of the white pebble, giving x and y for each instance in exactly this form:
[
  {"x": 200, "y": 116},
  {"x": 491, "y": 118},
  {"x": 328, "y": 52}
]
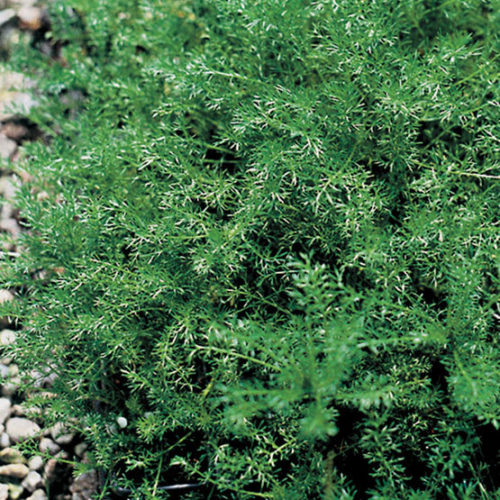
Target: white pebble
[
  {"x": 11, "y": 387},
  {"x": 5, "y": 407},
  {"x": 7, "y": 337},
  {"x": 38, "y": 495},
  {"x": 14, "y": 470},
  {"x": 15, "y": 491},
  {"x": 5, "y": 296},
  {"x": 32, "y": 481},
  {"x": 19, "y": 429},
  {"x": 80, "y": 449},
  {"x": 60, "y": 435},
  {"x": 47, "y": 445},
  {"x": 35, "y": 462},
  {"x": 122, "y": 422},
  {"x": 4, "y": 440}
]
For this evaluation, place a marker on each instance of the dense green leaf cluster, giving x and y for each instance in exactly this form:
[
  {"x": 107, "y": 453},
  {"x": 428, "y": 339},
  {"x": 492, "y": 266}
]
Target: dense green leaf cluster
[{"x": 268, "y": 238}]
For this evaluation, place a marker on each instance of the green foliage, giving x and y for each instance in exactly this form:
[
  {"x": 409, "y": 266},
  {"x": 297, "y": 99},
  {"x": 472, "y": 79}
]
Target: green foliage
[{"x": 270, "y": 242}]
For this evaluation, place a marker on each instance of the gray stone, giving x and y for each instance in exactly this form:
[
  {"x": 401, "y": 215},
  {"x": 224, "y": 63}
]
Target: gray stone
[
  {"x": 32, "y": 481},
  {"x": 5, "y": 406},
  {"x": 7, "y": 210},
  {"x": 15, "y": 491},
  {"x": 7, "y": 147},
  {"x": 11, "y": 226},
  {"x": 11, "y": 80},
  {"x": 20, "y": 429},
  {"x": 84, "y": 487},
  {"x": 48, "y": 446},
  {"x": 7, "y": 337},
  {"x": 38, "y": 495},
  {"x": 35, "y": 462},
  {"x": 11, "y": 456},
  {"x": 16, "y": 103},
  {"x": 49, "y": 469},
  {"x": 122, "y": 422},
  {"x": 4, "y": 369},
  {"x": 16, "y": 4},
  {"x": 14, "y": 99},
  {"x": 10, "y": 387},
  {"x": 15, "y": 131},
  {"x": 59, "y": 434},
  {"x": 18, "y": 411},
  {"x": 30, "y": 17},
  {"x": 80, "y": 449},
  {"x": 6, "y": 16},
  {"x": 5, "y": 296},
  {"x": 4, "y": 440},
  {"x": 8, "y": 187},
  {"x": 19, "y": 471}
]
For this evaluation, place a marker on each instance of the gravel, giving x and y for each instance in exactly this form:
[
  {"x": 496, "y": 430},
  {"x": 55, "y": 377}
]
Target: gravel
[
  {"x": 20, "y": 429},
  {"x": 18, "y": 471},
  {"x": 7, "y": 147},
  {"x": 5, "y": 406},
  {"x": 27, "y": 477}
]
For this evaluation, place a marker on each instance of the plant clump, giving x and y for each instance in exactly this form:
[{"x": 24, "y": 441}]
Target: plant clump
[{"x": 265, "y": 260}]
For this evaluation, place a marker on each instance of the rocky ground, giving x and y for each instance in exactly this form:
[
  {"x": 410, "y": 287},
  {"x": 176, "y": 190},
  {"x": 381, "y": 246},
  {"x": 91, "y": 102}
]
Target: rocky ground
[{"x": 47, "y": 473}]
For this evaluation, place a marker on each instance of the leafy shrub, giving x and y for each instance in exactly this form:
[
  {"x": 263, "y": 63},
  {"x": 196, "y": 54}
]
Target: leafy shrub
[{"x": 268, "y": 240}]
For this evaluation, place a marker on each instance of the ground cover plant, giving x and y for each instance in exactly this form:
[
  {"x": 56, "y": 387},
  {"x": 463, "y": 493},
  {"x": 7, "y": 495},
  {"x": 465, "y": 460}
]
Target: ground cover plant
[{"x": 262, "y": 247}]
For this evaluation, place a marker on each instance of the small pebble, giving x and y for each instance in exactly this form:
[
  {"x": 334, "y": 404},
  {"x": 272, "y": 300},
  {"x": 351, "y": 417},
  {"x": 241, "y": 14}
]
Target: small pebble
[
  {"x": 18, "y": 471},
  {"x": 15, "y": 103},
  {"x": 7, "y": 337},
  {"x": 6, "y": 210},
  {"x": 38, "y": 495},
  {"x": 30, "y": 18},
  {"x": 11, "y": 456},
  {"x": 4, "y": 440},
  {"x": 5, "y": 408},
  {"x": 5, "y": 296},
  {"x": 59, "y": 434},
  {"x": 15, "y": 491},
  {"x": 122, "y": 422},
  {"x": 9, "y": 186},
  {"x": 17, "y": 4},
  {"x": 19, "y": 429},
  {"x": 18, "y": 411},
  {"x": 35, "y": 462},
  {"x": 4, "y": 492},
  {"x": 15, "y": 131},
  {"x": 32, "y": 481},
  {"x": 6, "y": 16},
  {"x": 49, "y": 469},
  {"x": 11, "y": 226},
  {"x": 7, "y": 147},
  {"x": 10, "y": 80},
  {"x": 80, "y": 449},
  {"x": 11, "y": 387},
  {"x": 84, "y": 486},
  {"x": 48, "y": 446}
]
